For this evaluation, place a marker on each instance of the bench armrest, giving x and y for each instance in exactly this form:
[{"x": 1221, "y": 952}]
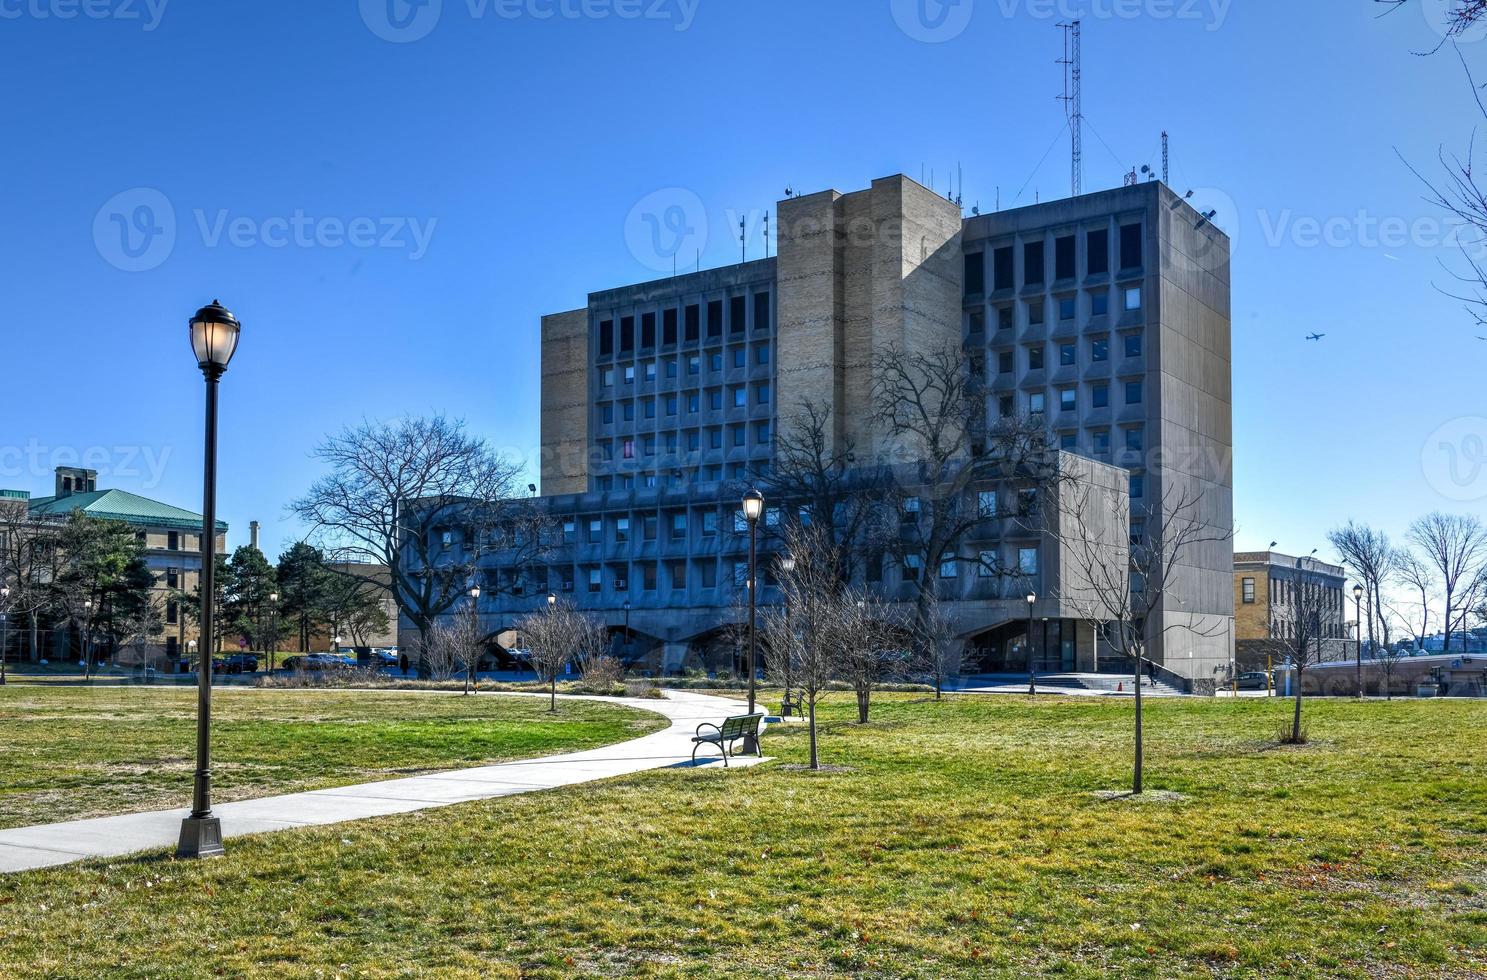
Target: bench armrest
[{"x": 707, "y": 724}]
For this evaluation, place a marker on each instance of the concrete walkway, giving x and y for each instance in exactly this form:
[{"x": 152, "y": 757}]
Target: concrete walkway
[{"x": 45, "y": 845}]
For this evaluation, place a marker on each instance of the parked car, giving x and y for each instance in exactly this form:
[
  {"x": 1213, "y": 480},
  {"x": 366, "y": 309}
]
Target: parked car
[
  {"x": 1252, "y": 680},
  {"x": 318, "y": 662},
  {"x": 241, "y": 663}
]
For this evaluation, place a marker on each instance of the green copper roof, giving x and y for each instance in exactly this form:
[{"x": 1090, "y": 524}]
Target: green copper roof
[{"x": 120, "y": 505}]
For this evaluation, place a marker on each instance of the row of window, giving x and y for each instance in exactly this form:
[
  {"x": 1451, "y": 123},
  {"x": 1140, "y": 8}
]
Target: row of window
[
  {"x": 648, "y": 370},
  {"x": 987, "y": 564},
  {"x": 1065, "y": 259},
  {"x": 679, "y": 477},
  {"x": 737, "y": 437},
  {"x": 683, "y": 326},
  {"x": 1035, "y": 356},
  {"x": 670, "y": 405},
  {"x": 1066, "y": 307},
  {"x": 1068, "y": 399}
]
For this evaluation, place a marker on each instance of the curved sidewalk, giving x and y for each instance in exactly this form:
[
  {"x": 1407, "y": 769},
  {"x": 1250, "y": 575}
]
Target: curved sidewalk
[{"x": 44, "y": 845}]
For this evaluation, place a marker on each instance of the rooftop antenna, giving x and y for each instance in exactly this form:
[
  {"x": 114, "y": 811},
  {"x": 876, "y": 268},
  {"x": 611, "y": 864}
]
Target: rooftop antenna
[
  {"x": 1166, "y": 161},
  {"x": 743, "y": 238},
  {"x": 1132, "y": 178},
  {"x": 1073, "y": 102},
  {"x": 766, "y": 234},
  {"x": 960, "y": 178}
]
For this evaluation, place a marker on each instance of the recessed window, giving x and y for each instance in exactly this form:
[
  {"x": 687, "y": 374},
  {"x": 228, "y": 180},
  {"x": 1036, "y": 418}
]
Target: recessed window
[
  {"x": 1068, "y": 400},
  {"x": 1063, "y": 257},
  {"x": 1004, "y": 361},
  {"x": 987, "y": 565},
  {"x": 761, "y": 311},
  {"x": 1135, "y": 440},
  {"x": 606, "y": 337},
  {"x": 709, "y": 522},
  {"x": 1101, "y": 440},
  {"x": 1035, "y": 358},
  {"x": 739, "y": 355},
  {"x": 715, "y": 362},
  {"x": 1248, "y": 586},
  {"x": 1133, "y": 392},
  {"x": 627, "y": 333},
  {"x": 1138, "y": 486},
  {"x": 1004, "y": 318},
  {"x": 1001, "y": 264},
  {"x": 949, "y": 567},
  {"x": 671, "y": 368},
  {"x": 1036, "y": 403},
  {"x": 679, "y": 525},
  {"x": 596, "y": 581},
  {"x": 650, "y": 408},
  {"x": 1132, "y": 343},
  {"x": 629, "y": 411},
  {"x": 1133, "y": 299},
  {"x": 715, "y": 438},
  {"x": 740, "y": 397},
  {"x": 606, "y": 378},
  {"x": 650, "y": 371},
  {"x": 1033, "y": 271},
  {"x": 668, "y": 327},
  {"x": 1099, "y": 304},
  {"x": 693, "y": 322},
  {"x": 739, "y": 436},
  {"x": 1099, "y": 350},
  {"x": 671, "y": 404},
  {"x": 737, "y": 311},
  {"x": 1027, "y": 561},
  {"x": 761, "y": 354},
  {"x": 986, "y": 504},
  {"x": 621, "y": 530},
  {"x": 975, "y": 273},
  {"x": 606, "y": 414},
  {"x": 596, "y": 531},
  {"x": 694, "y": 365},
  {"x": 1068, "y": 442},
  {"x": 761, "y": 394},
  {"x": 694, "y": 403},
  {"x": 647, "y": 330},
  {"x": 1067, "y": 355},
  {"x": 1130, "y": 246},
  {"x": 1035, "y": 314},
  {"x": 715, "y": 399},
  {"x": 1097, "y": 251},
  {"x": 630, "y": 374},
  {"x": 1066, "y": 308}
]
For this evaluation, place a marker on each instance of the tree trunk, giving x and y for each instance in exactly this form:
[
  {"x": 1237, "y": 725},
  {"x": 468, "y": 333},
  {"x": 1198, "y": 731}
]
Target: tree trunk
[
  {"x": 1138, "y": 772},
  {"x": 863, "y": 697},
  {"x": 1296, "y": 721},
  {"x": 553, "y": 692},
  {"x": 815, "y": 759},
  {"x": 938, "y": 686}
]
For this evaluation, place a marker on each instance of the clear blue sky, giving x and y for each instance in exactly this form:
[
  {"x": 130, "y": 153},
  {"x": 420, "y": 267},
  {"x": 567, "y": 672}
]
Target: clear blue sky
[{"x": 525, "y": 141}]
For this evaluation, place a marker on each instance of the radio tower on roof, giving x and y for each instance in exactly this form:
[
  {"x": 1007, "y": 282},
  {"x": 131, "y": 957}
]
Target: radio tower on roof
[{"x": 1073, "y": 102}]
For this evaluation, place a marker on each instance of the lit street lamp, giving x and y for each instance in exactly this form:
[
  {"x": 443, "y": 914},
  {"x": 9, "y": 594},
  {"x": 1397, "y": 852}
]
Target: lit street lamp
[
  {"x": 273, "y": 603},
  {"x": 214, "y": 338},
  {"x": 1032, "y": 684},
  {"x": 472, "y": 658},
  {"x": 1358, "y": 628},
  {"x": 87, "y": 639},
  {"x": 753, "y": 506},
  {"x": 787, "y": 568}
]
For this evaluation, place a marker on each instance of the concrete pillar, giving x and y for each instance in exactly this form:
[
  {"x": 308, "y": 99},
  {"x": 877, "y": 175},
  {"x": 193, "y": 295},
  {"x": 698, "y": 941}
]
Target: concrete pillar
[{"x": 1086, "y": 646}]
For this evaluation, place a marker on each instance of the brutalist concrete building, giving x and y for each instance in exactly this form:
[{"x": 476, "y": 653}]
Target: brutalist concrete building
[{"x": 1106, "y": 315}]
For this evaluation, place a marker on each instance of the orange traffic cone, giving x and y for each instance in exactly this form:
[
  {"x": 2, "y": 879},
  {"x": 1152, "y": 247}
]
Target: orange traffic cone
[{"x": 1120, "y": 687}]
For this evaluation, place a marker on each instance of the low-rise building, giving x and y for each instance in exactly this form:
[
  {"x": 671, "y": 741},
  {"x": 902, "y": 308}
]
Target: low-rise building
[{"x": 1267, "y": 595}]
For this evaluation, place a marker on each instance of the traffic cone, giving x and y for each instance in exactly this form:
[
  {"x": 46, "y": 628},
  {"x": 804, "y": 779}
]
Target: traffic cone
[{"x": 1120, "y": 687}]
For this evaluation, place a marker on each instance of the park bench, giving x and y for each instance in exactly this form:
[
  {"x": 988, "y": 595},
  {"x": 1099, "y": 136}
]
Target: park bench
[
  {"x": 732, "y": 729},
  {"x": 789, "y": 706}
]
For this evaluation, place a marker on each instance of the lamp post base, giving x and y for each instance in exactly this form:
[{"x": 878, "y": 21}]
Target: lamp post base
[{"x": 201, "y": 837}]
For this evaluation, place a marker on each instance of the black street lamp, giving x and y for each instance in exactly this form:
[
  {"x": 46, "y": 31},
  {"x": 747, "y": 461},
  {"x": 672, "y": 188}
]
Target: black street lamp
[
  {"x": 214, "y": 337},
  {"x": 4, "y": 629},
  {"x": 473, "y": 664},
  {"x": 1032, "y": 684},
  {"x": 627, "y": 632},
  {"x": 753, "y": 506},
  {"x": 1358, "y": 628}
]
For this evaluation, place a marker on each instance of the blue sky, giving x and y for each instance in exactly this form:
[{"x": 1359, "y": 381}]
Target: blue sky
[{"x": 389, "y": 209}]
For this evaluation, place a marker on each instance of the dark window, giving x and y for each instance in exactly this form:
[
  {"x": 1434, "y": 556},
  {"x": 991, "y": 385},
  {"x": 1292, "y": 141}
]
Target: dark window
[
  {"x": 173, "y": 541},
  {"x": 1004, "y": 318},
  {"x": 709, "y": 574},
  {"x": 1004, "y": 406},
  {"x": 737, "y": 308},
  {"x": 627, "y": 333},
  {"x": 1032, "y": 264},
  {"x": 606, "y": 337},
  {"x": 1133, "y": 344},
  {"x": 1249, "y": 591},
  {"x": 975, "y": 273},
  {"x": 761, "y": 311},
  {"x": 1099, "y": 304},
  {"x": 1001, "y": 264},
  {"x": 1004, "y": 362},
  {"x": 1099, "y": 350},
  {"x": 1035, "y": 314},
  {"x": 1100, "y": 394},
  {"x": 1066, "y": 354},
  {"x": 171, "y": 612},
  {"x": 1063, "y": 258},
  {"x": 1130, "y": 246},
  {"x": 1133, "y": 393},
  {"x": 668, "y": 327},
  {"x": 648, "y": 330},
  {"x": 1035, "y": 358},
  {"x": 1097, "y": 251},
  {"x": 694, "y": 322},
  {"x": 715, "y": 318}
]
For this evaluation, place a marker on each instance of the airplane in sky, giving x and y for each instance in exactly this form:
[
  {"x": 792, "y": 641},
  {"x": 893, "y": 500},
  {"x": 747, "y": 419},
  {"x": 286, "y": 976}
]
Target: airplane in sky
[{"x": 1315, "y": 336}]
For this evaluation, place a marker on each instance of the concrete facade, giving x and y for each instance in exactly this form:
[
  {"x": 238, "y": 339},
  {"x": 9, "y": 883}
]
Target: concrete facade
[
  {"x": 1107, "y": 315},
  {"x": 1266, "y": 587}
]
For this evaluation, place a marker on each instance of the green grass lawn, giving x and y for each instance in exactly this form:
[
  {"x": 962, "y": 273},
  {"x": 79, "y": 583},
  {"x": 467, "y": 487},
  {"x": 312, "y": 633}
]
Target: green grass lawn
[
  {"x": 957, "y": 839},
  {"x": 69, "y": 752}
]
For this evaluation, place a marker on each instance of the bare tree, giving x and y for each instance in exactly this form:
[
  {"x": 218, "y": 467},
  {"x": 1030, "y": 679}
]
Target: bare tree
[
  {"x": 1414, "y": 573},
  {"x": 1302, "y": 640},
  {"x": 1126, "y": 584},
  {"x": 443, "y": 648},
  {"x": 1460, "y": 16},
  {"x": 31, "y": 561},
  {"x": 557, "y": 636},
  {"x": 944, "y": 452},
  {"x": 1454, "y": 547},
  {"x": 425, "y": 499},
  {"x": 1374, "y": 561},
  {"x": 868, "y": 644},
  {"x": 814, "y": 596},
  {"x": 939, "y": 654},
  {"x": 1388, "y": 659}
]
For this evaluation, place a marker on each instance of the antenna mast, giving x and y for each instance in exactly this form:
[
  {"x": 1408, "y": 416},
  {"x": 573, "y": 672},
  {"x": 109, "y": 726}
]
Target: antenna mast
[
  {"x": 1073, "y": 102},
  {"x": 1166, "y": 159}
]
